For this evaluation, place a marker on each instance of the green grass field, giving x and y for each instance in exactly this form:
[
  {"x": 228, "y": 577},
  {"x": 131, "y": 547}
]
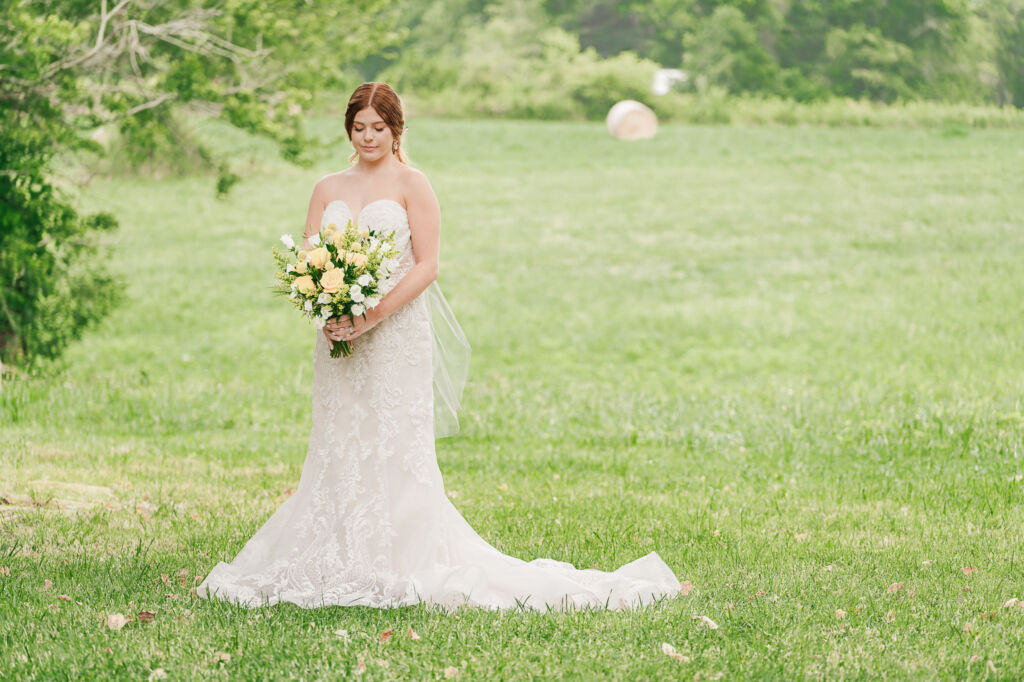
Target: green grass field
[{"x": 790, "y": 360}]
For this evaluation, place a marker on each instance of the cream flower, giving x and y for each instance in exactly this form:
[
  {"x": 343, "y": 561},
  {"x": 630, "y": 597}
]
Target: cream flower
[
  {"x": 305, "y": 284},
  {"x": 332, "y": 280},
  {"x": 319, "y": 257}
]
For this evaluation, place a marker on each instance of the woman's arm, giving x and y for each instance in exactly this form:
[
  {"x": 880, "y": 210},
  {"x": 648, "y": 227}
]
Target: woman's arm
[{"x": 425, "y": 232}]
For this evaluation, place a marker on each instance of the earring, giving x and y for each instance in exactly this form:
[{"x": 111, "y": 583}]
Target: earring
[{"x": 394, "y": 146}]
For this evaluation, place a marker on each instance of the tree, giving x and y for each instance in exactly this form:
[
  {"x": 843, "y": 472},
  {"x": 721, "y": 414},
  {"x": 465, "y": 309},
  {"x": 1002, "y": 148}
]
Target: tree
[
  {"x": 725, "y": 52},
  {"x": 68, "y": 66}
]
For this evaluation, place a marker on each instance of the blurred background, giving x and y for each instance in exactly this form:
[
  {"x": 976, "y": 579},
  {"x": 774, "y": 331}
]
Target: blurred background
[{"x": 98, "y": 89}]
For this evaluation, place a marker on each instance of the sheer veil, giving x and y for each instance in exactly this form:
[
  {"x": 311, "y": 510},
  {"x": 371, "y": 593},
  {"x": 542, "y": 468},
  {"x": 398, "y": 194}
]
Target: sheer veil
[{"x": 450, "y": 353}]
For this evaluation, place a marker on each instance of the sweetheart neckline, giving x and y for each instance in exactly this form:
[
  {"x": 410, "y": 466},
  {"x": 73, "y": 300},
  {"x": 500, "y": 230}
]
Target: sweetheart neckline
[{"x": 363, "y": 209}]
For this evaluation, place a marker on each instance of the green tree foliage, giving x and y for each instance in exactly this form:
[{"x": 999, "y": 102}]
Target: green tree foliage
[
  {"x": 511, "y": 62},
  {"x": 1010, "y": 55},
  {"x": 725, "y": 52},
  {"x": 68, "y": 66}
]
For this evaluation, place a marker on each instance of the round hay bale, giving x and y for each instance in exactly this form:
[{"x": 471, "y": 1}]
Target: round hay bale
[{"x": 631, "y": 120}]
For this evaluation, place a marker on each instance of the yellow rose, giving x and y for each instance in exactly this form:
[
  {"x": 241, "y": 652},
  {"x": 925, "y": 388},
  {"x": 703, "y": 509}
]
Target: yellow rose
[
  {"x": 300, "y": 267},
  {"x": 318, "y": 257},
  {"x": 338, "y": 238},
  {"x": 356, "y": 246},
  {"x": 329, "y": 266},
  {"x": 350, "y": 257},
  {"x": 332, "y": 226},
  {"x": 364, "y": 233},
  {"x": 332, "y": 280},
  {"x": 305, "y": 284},
  {"x": 301, "y": 255},
  {"x": 359, "y": 259}
]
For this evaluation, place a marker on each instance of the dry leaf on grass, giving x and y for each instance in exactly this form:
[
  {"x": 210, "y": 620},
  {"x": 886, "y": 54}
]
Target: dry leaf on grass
[
  {"x": 413, "y": 634},
  {"x": 64, "y": 597},
  {"x": 969, "y": 570},
  {"x": 685, "y": 587},
  {"x": 221, "y": 658},
  {"x": 895, "y": 587},
  {"x": 158, "y": 674},
  {"x": 47, "y": 584},
  {"x": 670, "y": 650},
  {"x": 115, "y": 621},
  {"x": 343, "y": 633},
  {"x": 1013, "y": 601},
  {"x": 146, "y": 616},
  {"x": 840, "y": 614},
  {"x": 5, "y": 570},
  {"x": 386, "y": 635},
  {"x": 968, "y": 627},
  {"x": 927, "y": 562},
  {"x": 360, "y": 666},
  {"x": 890, "y": 616},
  {"x": 451, "y": 671},
  {"x": 800, "y": 537},
  {"x": 706, "y": 622}
]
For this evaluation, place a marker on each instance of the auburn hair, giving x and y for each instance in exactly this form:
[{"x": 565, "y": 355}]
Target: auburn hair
[{"x": 385, "y": 102}]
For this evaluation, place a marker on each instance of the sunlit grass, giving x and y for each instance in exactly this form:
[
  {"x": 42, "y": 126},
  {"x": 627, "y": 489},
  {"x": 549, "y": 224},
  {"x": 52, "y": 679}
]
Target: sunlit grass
[{"x": 788, "y": 360}]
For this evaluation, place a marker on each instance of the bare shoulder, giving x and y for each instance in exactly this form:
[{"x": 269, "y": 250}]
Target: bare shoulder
[
  {"x": 328, "y": 185},
  {"x": 415, "y": 184},
  {"x": 332, "y": 179}
]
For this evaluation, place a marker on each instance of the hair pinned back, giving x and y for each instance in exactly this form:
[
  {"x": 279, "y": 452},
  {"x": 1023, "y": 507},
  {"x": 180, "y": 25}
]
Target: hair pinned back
[{"x": 385, "y": 102}]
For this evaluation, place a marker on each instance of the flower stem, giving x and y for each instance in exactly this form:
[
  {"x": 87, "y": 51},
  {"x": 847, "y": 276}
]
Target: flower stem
[{"x": 339, "y": 348}]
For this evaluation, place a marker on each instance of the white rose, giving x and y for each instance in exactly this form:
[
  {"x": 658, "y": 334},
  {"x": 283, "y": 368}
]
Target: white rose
[
  {"x": 356, "y": 293},
  {"x": 323, "y": 298},
  {"x": 319, "y": 322},
  {"x": 364, "y": 279},
  {"x": 293, "y": 294},
  {"x": 287, "y": 240},
  {"x": 358, "y": 309},
  {"x": 308, "y": 307},
  {"x": 372, "y": 301},
  {"x": 315, "y": 239},
  {"x": 289, "y": 268}
]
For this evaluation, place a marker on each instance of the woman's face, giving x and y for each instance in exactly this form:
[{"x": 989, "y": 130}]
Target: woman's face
[{"x": 371, "y": 137}]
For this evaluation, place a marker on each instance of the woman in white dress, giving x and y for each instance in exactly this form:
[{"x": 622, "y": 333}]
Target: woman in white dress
[{"x": 370, "y": 523}]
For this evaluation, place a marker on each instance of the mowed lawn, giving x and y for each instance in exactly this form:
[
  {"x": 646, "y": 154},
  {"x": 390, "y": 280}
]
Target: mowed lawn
[{"x": 790, "y": 360}]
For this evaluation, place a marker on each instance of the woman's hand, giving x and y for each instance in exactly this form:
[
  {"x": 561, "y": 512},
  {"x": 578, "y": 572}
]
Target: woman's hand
[{"x": 345, "y": 328}]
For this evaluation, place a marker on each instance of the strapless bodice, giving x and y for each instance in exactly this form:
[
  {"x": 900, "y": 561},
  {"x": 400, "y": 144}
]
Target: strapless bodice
[{"x": 380, "y": 215}]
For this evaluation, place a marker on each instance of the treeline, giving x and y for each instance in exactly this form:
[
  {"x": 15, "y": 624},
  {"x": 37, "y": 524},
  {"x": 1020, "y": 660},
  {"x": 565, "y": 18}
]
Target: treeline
[{"x": 556, "y": 58}]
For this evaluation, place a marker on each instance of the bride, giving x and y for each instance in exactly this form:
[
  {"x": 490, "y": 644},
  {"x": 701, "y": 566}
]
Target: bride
[{"x": 370, "y": 523}]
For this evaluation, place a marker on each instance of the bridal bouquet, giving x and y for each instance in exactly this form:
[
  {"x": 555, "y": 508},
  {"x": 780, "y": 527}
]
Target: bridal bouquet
[{"x": 346, "y": 272}]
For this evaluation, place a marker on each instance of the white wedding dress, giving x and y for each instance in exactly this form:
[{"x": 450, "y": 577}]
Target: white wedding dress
[{"x": 370, "y": 523}]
